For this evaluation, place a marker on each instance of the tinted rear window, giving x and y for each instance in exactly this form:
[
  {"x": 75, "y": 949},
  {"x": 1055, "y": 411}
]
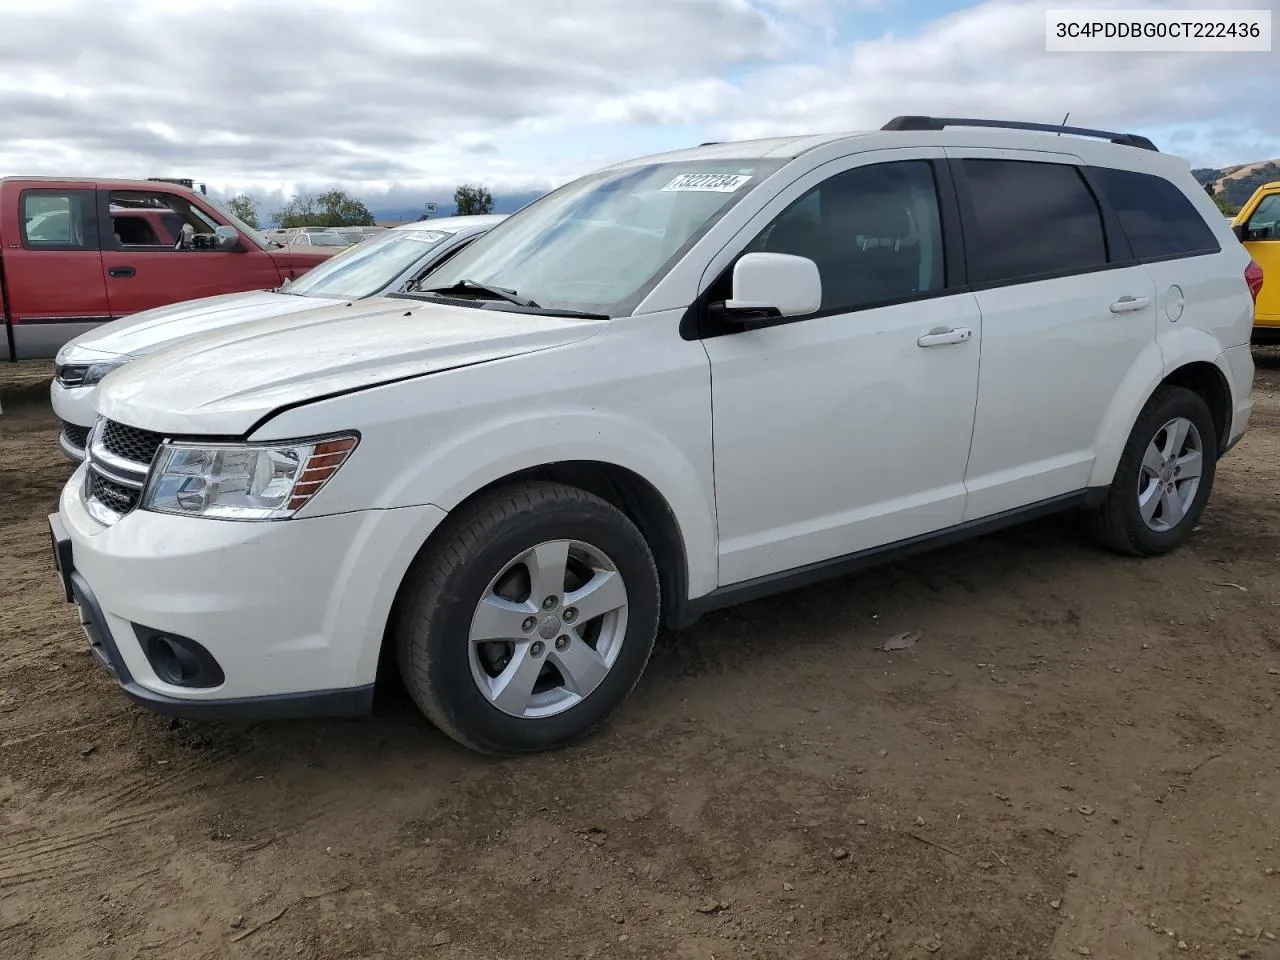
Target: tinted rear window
[
  {"x": 1157, "y": 217},
  {"x": 1031, "y": 220}
]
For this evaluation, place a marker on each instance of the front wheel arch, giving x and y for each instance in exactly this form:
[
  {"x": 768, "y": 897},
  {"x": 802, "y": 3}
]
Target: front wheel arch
[{"x": 631, "y": 493}]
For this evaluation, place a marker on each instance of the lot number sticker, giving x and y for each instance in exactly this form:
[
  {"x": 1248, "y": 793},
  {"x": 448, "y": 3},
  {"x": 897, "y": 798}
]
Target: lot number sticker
[{"x": 707, "y": 182}]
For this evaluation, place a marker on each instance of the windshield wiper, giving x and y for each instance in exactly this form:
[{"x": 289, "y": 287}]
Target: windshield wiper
[{"x": 471, "y": 286}]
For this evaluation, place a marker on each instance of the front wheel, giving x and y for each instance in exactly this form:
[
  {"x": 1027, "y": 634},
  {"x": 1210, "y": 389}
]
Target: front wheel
[
  {"x": 1164, "y": 476},
  {"x": 531, "y": 619}
]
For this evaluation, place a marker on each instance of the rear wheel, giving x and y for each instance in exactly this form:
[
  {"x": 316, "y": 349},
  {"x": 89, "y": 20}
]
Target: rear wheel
[
  {"x": 1164, "y": 476},
  {"x": 531, "y": 621}
]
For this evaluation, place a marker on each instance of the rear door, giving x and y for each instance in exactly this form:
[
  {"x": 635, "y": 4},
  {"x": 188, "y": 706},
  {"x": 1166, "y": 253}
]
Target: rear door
[
  {"x": 52, "y": 269},
  {"x": 1066, "y": 310},
  {"x": 145, "y": 267},
  {"x": 1180, "y": 251}
]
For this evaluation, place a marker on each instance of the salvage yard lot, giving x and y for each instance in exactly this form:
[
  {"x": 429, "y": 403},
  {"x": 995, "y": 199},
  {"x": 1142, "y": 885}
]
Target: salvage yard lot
[{"x": 1078, "y": 756}]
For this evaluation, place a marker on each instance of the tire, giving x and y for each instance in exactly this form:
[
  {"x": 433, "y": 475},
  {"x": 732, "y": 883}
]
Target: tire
[
  {"x": 1119, "y": 523},
  {"x": 459, "y": 684}
]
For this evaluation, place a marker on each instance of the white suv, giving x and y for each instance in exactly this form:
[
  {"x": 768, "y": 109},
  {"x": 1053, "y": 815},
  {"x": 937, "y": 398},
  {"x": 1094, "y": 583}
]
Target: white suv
[{"x": 674, "y": 384}]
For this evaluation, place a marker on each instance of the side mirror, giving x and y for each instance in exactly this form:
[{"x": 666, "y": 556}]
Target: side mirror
[
  {"x": 226, "y": 238},
  {"x": 1241, "y": 231},
  {"x": 771, "y": 285}
]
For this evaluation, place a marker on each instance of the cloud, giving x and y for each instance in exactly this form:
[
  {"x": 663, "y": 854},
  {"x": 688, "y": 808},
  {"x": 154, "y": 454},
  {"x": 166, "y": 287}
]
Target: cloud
[
  {"x": 391, "y": 98},
  {"x": 989, "y": 61}
]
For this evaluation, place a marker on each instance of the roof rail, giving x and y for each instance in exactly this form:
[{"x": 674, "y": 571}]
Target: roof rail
[
  {"x": 711, "y": 143},
  {"x": 939, "y": 123}
]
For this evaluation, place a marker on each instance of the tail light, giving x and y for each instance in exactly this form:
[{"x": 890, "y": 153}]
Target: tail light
[{"x": 1253, "y": 277}]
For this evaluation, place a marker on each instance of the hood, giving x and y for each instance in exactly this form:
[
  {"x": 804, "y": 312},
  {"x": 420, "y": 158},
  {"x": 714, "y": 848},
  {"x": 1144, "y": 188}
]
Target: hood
[
  {"x": 293, "y": 262},
  {"x": 222, "y": 383},
  {"x": 149, "y": 330}
]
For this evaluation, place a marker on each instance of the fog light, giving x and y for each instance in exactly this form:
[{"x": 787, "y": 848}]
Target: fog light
[{"x": 179, "y": 661}]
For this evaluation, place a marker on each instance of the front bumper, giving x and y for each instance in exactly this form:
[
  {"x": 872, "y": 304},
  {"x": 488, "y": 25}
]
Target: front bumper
[
  {"x": 74, "y": 407},
  {"x": 293, "y": 612}
]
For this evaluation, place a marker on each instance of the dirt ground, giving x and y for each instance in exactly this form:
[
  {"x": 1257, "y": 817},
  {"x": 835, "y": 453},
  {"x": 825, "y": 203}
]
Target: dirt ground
[{"x": 1078, "y": 757}]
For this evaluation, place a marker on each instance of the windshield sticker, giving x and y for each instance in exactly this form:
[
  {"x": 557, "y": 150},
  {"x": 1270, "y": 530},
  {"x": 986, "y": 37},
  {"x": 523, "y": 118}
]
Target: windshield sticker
[
  {"x": 426, "y": 236},
  {"x": 707, "y": 182}
]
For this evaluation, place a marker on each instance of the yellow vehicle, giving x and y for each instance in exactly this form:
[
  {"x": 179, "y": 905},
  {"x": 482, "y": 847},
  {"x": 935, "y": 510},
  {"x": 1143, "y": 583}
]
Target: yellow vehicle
[{"x": 1258, "y": 227}]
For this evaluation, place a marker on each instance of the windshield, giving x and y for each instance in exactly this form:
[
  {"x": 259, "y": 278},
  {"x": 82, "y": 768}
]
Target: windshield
[
  {"x": 257, "y": 236},
  {"x": 599, "y": 244},
  {"x": 328, "y": 240},
  {"x": 368, "y": 267}
]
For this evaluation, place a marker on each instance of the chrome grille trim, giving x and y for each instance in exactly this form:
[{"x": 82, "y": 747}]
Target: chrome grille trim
[{"x": 113, "y": 481}]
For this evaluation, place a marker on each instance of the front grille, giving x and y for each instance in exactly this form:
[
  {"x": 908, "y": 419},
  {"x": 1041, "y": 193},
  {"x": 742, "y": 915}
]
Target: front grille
[
  {"x": 114, "y": 496},
  {"x": 118, "y": 459},
  {"x": 130, "y": 443},
  {"x": 75, "y": 436}
]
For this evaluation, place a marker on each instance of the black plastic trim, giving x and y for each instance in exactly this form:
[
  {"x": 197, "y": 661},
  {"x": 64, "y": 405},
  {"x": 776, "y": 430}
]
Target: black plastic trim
[
  {"x": 956, "y": 275},
  {"x": 89, "y": 318},
  {"x": 348, "y": 702},
  {"x": 61, "y": 553},
  {"x": 1119, "y": 249},
  {"x": 941, "y": 123},
  {"x": 773, "y": 583},
  {"x": 158, "y": 646}
]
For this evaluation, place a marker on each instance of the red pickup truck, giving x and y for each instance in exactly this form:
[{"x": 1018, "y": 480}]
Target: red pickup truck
[{"x": 77, "y": 253}]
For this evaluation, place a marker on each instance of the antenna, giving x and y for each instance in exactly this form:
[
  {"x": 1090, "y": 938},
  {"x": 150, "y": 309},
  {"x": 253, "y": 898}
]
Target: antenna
[{"x": 1063, "y": 126}]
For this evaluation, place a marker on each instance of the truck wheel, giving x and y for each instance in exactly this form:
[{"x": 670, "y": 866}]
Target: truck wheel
[
  {"x": 1164, "y": 476},
  {"x": 530, "y": 621}
]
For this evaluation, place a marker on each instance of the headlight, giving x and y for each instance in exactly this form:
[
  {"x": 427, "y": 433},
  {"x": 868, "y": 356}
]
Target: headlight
[
  {"x": 84, "y": 374},
  {"x": 243, "y": 481},
  {"x": 97, "y": 371}
]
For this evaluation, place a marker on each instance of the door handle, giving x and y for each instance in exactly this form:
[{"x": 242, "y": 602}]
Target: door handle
[
  {"x": 1130, "y": 304},
  {"x": 940, "y": 336},
  {"x": 120, "y": 271}
]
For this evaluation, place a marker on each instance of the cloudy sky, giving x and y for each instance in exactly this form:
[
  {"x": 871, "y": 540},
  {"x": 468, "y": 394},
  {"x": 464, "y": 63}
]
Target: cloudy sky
[{"x": 410, "y": 98}]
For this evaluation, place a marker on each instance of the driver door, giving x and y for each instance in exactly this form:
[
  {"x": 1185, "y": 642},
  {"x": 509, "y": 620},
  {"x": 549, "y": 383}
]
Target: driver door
[
  {"x": 848, "y": 429},
  {"x": 139, "y": 231}
]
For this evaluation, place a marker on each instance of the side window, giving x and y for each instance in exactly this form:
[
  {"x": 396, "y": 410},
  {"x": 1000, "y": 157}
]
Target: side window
[
  {"x": 1264, "y": 222},
  {"x": 1156, "y": 216},
  {"x": 155, "y": 221},
  {"x": 1031, "y": 220},
  {"x": 873, "y": 231},
  {"x": 59, "y": 220}
]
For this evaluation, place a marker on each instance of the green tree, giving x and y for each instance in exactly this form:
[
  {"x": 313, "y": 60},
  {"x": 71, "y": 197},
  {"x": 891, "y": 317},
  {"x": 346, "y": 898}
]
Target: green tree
[
  {"x": 333, "y": 208},
  {"x": 246, "y": 208},
  {"x": 344, "y": 211},
  {"x": 473, "y": 200},
  {"x": 300, "y": 211},
  {"x": 1225, "y": 205}
]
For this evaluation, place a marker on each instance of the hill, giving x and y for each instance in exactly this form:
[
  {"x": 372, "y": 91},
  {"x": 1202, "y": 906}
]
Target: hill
[{"x": 1238, "y": 182}]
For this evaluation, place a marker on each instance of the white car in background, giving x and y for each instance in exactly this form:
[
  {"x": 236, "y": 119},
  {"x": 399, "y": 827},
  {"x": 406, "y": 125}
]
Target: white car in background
[{"x": 390, "y": 262}]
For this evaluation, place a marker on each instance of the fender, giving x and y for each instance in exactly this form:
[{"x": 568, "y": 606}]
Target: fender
[
  {"x": 1174, "y": 349},
  {"x": 458, "y": 466}
]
